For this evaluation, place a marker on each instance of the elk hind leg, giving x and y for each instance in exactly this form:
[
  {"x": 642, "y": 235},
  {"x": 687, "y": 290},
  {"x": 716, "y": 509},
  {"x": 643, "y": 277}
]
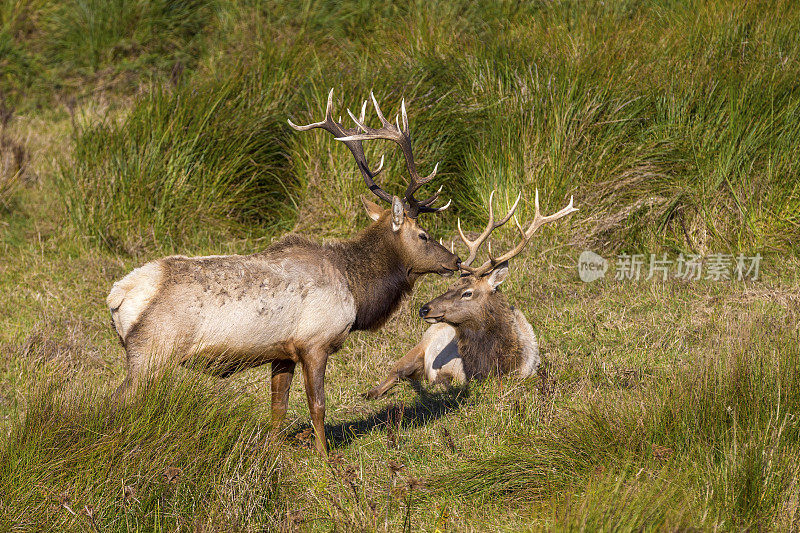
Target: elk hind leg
[
  {"x": 127, "y": 389},
  {"x": 282, "y": 374},
  {"x": 141, "y": 362}
]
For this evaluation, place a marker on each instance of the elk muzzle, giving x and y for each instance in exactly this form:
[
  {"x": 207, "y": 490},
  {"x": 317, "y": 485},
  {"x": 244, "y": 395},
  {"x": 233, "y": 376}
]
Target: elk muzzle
[
  {"x": 425, "y": 313},
  {"x": 451, "y": 265}
]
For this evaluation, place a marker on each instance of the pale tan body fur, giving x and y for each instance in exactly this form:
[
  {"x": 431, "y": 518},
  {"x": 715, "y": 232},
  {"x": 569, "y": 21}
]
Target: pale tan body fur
[{"x": 243, "y": 309}]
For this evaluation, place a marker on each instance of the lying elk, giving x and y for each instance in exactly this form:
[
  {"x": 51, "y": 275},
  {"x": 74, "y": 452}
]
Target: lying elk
[
  {"x": 475, "y": 331},
  {"x": 294, "y": 302}
]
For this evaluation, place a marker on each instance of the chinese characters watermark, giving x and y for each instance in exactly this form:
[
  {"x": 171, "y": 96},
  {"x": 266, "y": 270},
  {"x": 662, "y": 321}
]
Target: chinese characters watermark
[{"x": 689, "y": 267}]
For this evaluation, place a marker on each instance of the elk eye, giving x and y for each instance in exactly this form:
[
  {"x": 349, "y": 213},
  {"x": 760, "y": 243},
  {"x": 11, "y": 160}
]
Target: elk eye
[
  {"x": 424, "y": 237},
  {"x": 466, "y": 294}
]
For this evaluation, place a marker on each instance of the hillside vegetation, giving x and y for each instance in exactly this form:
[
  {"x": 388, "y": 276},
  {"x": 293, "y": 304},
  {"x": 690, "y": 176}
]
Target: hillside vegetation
[{"x": 133, "y": 129}]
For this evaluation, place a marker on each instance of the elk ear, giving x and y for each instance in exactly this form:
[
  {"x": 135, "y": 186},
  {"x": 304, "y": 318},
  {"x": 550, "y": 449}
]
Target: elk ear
[
  {"x": 374, "y": 211},
  {"x": 398, "y": 213},
  {"x": 498, "y": 275}
]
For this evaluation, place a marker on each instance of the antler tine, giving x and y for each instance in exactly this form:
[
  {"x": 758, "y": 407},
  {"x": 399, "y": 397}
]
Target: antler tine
[
  {"x": 426, "y": 209},
  {"x": 341, "y": 133},
  {"x": 378, "y": 110},
  {"x": 473, "y": 250},
  {"x": 428, "y": 201},
  {"x": 425, "y": 205},
  {"x": 474, "y": 246},
  {"x": 363, "y": 111},
  {"x": 401, "y": 136},
  {"x": 538, "y": 221},
  {"x": 322, "y": 124}
]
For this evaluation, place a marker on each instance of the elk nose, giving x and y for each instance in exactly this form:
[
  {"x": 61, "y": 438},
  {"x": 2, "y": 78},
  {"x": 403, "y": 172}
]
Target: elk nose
[
  {"x": 458, "y": 262},
  {"x": 424, "y": 310}
]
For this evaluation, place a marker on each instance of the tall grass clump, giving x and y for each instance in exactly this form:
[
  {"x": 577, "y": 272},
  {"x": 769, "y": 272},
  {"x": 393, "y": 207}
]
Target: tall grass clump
[
  {"x": 53, "y": 52},
  {"x": 19, "y": 65},
  {"x": 673, "y": 126},
  {"x": 179, "y": 456},
  {"x": 92, "y": 34},
  {"x": 204, "y": 161}
]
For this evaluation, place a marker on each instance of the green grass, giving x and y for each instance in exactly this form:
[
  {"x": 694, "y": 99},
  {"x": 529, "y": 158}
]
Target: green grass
[
  {"x": 177, "y": 458},
  {"x": 91, "y": 34},
  {"x": 160, "y": 127},
  {"x": 722, "y": 426},
  {"x": 195, "y": 163},
  {"x": 669, "y": 133},
  {"x": 76, "y": 51}
]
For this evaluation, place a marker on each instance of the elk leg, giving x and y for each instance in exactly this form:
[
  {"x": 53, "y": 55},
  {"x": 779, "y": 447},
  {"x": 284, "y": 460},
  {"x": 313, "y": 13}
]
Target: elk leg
[
  {"x": 410, "y": 366},
  {"x": 127, "y": 388},
  {"x": 121, "y": 394},
  {"x": 314, "y": 377},
  {"x": 282, "y": 374}
]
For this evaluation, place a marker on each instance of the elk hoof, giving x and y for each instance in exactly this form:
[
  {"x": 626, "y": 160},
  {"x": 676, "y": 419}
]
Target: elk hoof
[{"x": 373, "y": 394}]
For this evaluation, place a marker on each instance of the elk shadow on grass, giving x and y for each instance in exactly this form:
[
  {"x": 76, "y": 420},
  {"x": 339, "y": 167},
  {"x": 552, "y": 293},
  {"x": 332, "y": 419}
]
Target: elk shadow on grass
[{"x": 426, "y": 407}]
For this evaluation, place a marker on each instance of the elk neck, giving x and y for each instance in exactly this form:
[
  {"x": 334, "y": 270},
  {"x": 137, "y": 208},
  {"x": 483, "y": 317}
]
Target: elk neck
[
  {"x": 376, "y": 274},
  {"x": 488, "y": 344}
]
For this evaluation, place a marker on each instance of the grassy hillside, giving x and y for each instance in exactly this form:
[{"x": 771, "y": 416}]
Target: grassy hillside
[{"x": 132, "y": 129}]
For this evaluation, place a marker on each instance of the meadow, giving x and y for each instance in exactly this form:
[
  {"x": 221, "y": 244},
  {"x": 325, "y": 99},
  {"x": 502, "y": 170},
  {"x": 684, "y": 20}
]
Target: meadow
[{"x": 130, "y": 130}]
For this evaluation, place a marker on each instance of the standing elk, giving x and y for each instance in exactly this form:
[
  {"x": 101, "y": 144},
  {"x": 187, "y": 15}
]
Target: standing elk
[
  {"x": 294, "y": 302},
  {"x": 475, "y": 331}
]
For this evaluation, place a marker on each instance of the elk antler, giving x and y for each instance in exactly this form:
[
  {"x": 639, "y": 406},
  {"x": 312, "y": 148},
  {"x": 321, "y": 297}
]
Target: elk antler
[
  {"x": 538, "y": 221},
  {"x": 473, "y": 246},
  {"x": 401, "y": 136},
  {"x": 340, "y": 132}
]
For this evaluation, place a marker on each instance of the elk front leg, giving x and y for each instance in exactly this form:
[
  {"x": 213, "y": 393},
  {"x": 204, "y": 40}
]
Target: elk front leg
[
  {"x": 282, "y": 374},
  {"x": 410, "y": 366},
  {"x": 314, "y": 377}
]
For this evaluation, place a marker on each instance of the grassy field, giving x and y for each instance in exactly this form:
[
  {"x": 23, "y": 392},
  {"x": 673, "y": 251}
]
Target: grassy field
[{"x": 131, "y": 129}]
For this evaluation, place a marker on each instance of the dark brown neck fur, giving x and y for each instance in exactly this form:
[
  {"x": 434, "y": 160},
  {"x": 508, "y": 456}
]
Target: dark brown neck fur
[
  {"x": 489, "y": 345},
  {"x": 375, "y": 273}
]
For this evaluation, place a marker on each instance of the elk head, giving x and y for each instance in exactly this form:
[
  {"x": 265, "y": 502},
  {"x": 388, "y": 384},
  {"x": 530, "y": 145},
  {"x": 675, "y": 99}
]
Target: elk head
[
  {"x": 419, "y": 252},
  {"x": 473, "y": 299}
]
